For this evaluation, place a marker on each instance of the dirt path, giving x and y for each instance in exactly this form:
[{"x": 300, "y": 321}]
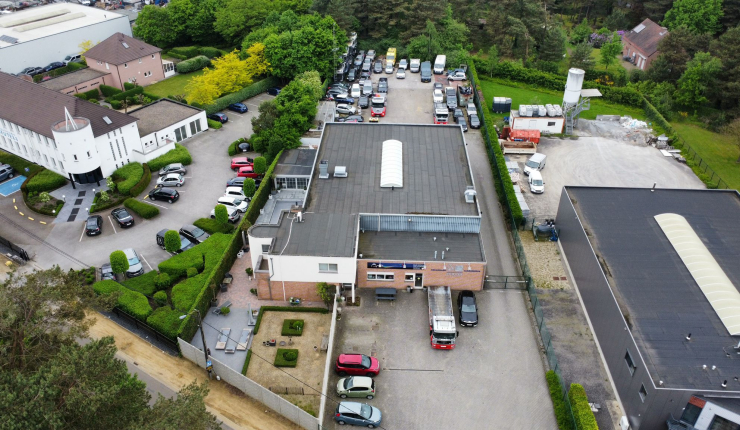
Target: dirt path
[{"x": 228, "y": 404}]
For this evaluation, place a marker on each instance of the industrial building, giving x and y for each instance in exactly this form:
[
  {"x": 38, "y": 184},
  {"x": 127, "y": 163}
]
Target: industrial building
[
  {"x": 657, "y": 274},
  {"x": 386, "y": 205},
  {"x": 37, "y": 36}
]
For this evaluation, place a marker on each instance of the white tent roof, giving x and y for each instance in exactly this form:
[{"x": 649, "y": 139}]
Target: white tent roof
[{"x": 391, "y": 168}]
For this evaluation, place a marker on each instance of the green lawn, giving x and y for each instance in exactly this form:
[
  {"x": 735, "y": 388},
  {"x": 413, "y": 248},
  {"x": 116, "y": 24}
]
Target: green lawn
[
  {"x": 716, "y": 150},
  {"x": 172, "y": 86}
]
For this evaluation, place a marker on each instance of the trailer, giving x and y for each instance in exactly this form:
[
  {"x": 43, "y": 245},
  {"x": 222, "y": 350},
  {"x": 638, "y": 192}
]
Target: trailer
[{"x": 442, "y": 331}]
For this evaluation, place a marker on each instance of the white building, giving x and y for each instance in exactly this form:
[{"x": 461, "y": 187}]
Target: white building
[
  {"x": 545, "y": 124},
  {"x": 165, "y": 122},
  {"x": 37, "y": 36}
]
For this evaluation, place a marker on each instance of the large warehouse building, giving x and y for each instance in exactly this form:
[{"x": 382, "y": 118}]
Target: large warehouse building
[
  {"x": 386, "y": 205},
  {"x": 37, "y": 36},
  {"x": 658, "y": 276}
]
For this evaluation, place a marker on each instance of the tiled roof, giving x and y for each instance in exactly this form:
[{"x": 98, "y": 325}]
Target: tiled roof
[
  {"x": 113, "y": 51},
  {"x": 37, "y": 108},
  {"x": 646, "y": 36},
  {"x": 73, "y": 78}
]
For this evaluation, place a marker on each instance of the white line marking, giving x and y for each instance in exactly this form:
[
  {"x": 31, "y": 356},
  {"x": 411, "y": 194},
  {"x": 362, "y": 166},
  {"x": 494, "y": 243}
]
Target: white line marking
[
  {"x": 83, "y": 232},
  {"x": 163, "y": 207},
  {"x": 112, "y": 225},
  {"x": 147, "y": 263}
]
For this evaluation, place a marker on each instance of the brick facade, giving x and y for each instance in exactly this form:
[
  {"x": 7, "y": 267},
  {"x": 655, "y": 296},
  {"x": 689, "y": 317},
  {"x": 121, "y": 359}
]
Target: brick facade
[
  {"x": 303, "y": 290},
  {"x": 458, "y": 276}
]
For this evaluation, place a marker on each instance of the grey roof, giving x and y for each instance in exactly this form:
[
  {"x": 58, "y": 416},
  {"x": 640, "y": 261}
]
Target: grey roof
[
  {"x": 73, "y": 78},
  {"x": 435, "y": 171},
  {"x": 648, "y": 38},
  {"x": 37, "y": 108},
  {"x": 112, "y": 50},
  {"x": 648, "y": 277},
  {"x": 160, "y": 114},
  {"x": 326, "y": 234},
  {"x": 405, "y": 245},
  {"x": 296, "y": 162},
  {"x": 727, "y": 403}
]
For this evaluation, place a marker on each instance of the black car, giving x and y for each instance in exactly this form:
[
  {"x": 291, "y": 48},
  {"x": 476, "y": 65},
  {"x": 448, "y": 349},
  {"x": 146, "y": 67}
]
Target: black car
[
  {"x": 468, "y": 309},
  {"x": 463, "y": 123},
  {"x": 365, "y": 75},
  {"x": 54, "y": 65},
  {"x": 457, "y": 114},
  {"x": 94, "y": 225},
  {"x": 167, "y": 194},
  {"x": 244, "y": 147},
  {"x": 238, "y": 107},
  {"x": 220, "y": 117},
  {"x": 345, "y": 100},
  {"x": 31, "y": 71},
  {"x": 239, "y": 182},
  {"x": 474, "y": 121},
  {"x": 123, "y": 217},
  {"x": 351, "y": 118},
  {"x": 194, "y": 234},
  {"x": 106, "y": 273},
  {"x": 378, "y": 67},
  {"x": 273, "y": 91},
  {"x": 185, "y": 244},
  {"x": 364, "y": 102}
]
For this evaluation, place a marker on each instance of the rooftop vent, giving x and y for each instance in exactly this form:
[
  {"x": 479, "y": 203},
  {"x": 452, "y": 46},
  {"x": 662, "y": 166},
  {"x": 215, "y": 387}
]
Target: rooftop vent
[
  {"x": 324, "y": 169},
  {"x": 470, "y": 195},
  {"x": 107, "y": 120},
  {"x": 125, "y": 45},
  {"x": 391, "y": 169},
  {"x": 340, "y": 172}
]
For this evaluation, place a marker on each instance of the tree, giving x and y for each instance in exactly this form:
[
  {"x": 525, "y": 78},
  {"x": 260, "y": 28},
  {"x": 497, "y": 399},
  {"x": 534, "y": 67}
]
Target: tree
[
  {"x": 454, "y": 34},
  {"x": 312, "y": 80},
  {"x": 202, "y": 89},
  {"x": 118, "y": 262},
  {"x": 609, "y": 52},
  {"x": 617, "y": 20},
  {"x": 493, "y": 57},
  {"x": 581, "y": 32},
  {"x": 249, "y": 187},
  {"x": 699, "y": 16},
  {"x": 309, "y": 47},
  {"x": 553, "y": 46},
  {"x": 296, "y": 108},
  {"x": 239, "y": 17},
  {"x": 262, "y": 125},
  {"x": 260, "y": 165},
  {"x": 726, "y": 49},
  {"x": 230, "y": 73},
  {"x": 275, "y": 145},
  {"x": 187, "y": 410},
  {"x": 172, "y": 241},
  {"x": 732, "y": 131},
  {"x": 580, "y": 57},
  {"x": 700, "y": 75},
  {"x": 325, "y": 292},
  {"x": 221, "y": 214},
  {"x": 181, "y": 12},
  {"x": 256, "y": 64},
  {"x": 676, "y": 49},
  {"x": 200, "y": 25},
  {"x": 152, "y": 25}
]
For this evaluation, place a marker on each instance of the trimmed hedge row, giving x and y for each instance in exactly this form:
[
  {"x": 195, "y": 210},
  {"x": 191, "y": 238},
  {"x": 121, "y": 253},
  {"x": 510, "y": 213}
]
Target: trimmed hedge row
[
  {"x": 283, "y": 356},
  {"x": 123, "y": 95},
  {"x": 144, "y": 284},
  {"x": 262, "y": 194},
  {"x": 143, "y": 182},
  {"x": 184, "y": 293},
  {"x": 584, "y": 418},
  {"x": 178, "y": 155},
  {"x": 241, "y": 95},
  {"x": 109, "y": 91},
  {"x": 144, "y": 210},
  {"x": 71, "y": 67},
  {"x": 558, "y": 401},
  {"x": 264, "y": 309},
  {"x": 214, "y": 124},
  {"x": 211, "y": 226},
  {"x": 19, "y": 164},
  {"x": 246, "y": 362},
  {"x": 174, "y": 55},
  {"x": 166, "y": 321},
  {"x": 187, "y": 51},
  {"x": 127, "y": 177},
  {"x": 131, "y": 302},
  {"x": 193, "y": 64},
  {"x": 92, "y": 94},
  {"x": 233, "y": 148},
  {"x": 45, "y": 180},
  {"x": 115, "y": 200}
]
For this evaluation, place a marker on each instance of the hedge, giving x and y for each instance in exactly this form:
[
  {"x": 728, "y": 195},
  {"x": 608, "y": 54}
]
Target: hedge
[
  {"x": 92, "y": 94},
  {"x": 325, "y": 86},
  {"x": 166, "y": 321},
  {"x": 143, "y": 182},
  {"x": 161, "y": 298},
  {"x": 45, "y": 180},
  {"x": 19, "y": 164},
  {"x": 264, "y": 309},
  {"x": 128, "y": 86},
  {"x": 584, "y": 418},
  {"x": 214, "y": 124},
  {"x": 184, "y": 293},
  {"x": 178, "y": 155},
  {"x": 262, "y": 194},
  {"x": 292, "y": 328},
  {"x": 562, "y": 416},
  {"x": 246, "y": 362},
  {"x": 210, "y": 226},
  {"x": 282, "y": 355},
  {"x": 143, "y": 284},
  {"x": 144, "y": 210},
  {"x": 131, "y": 302},
  {"x": 234, "y": 147},
  {"x": 174, "y": 55},
  {"x": 186, "y": 51},
  {"x": 109, "y": 91},
  {"x": 115, "y": 200},
  {"x": 127, "y": 177},
  {"x": 193, "y": 64},
  {"x": 241, "y": 95},
  {"x": 115, "y": 104},
  {"x": 123, "y": 95},
  {"x": 210, "y": 52}
]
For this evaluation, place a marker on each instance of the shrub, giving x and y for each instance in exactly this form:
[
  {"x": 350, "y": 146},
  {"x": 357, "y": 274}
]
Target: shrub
[
  {"x": 558, "y": 401},
  {"x": 81, "y": 96},
  {"x": 44, "y": 197},
  {"x": 20, "y": 164},
  {"x": 225, "y": 310},
  {"x": 178, "y": 155},
  {"x": 234, "y": 147},
  {"x": 249, "y": 91},
  {"x": 92, "y": 94},
  {"x": 128, "y": 86},
  {"x": 210, "y": 52},
  {"x": 264, "y": 309},
  {"x": 115, "y": 104},
  {"x": 292, "y": 328},
  {"x": 143, "y": 182},
  {"x": 175, "y": 55},
  {"x": 163, "y": 281},
  {"x": 129, "y": 301},
  {"x": 108, "y": 91},
  {"x": 46, "y": 180},
  {"x": 161, "y": 298},
  {"x": 145, "y": 284},
  {"x": 249, "y": 187},
  {"x": 103, "y": 197},
  {"x": 286, "y": 357},
  {"x": 127, "y": 95},
  {"x": 185, "y": 292},
  {"x": 193, "y": 64},
  {"x": 211, "y": 226},
  {"x": 165, "y": 320},
  {"x": 582, "y": 414},
  {"x": 246, "y": 362},
  {"x": 260, "y": 165},
  {"x": 214, "y": 124},
  {"x": 221, "y": 214},
  {"x": 128, "y": 176},
  {"x": 144, "y": 210},
  {"x": 192, "y": 271},
  {"x": 118, "y": 262},
  {"x": 172, "y": 242},
  {"x": 187, "y": 51}
]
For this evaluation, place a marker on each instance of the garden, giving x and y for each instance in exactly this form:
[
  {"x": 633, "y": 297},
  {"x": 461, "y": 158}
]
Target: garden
[{"x": 38, "y": 184}]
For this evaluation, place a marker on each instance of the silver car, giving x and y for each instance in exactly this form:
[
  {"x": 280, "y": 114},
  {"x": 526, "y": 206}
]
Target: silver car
[
  {"x": 233, "y": 202},
  {"x": 135, "y": 268},
  {"x": 346, "y": 109},
  {"x": 6, "y": 171},
  {"x": 173, "y": 168},
  {"x": 234, "y": 214},
  {"x": 171, "y": 180}
]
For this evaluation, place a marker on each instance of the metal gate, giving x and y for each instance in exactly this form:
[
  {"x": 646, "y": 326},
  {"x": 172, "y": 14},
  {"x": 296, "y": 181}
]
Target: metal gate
[
  {"x": 505, "y": 282},
  {"x": 15, "y": 250}
]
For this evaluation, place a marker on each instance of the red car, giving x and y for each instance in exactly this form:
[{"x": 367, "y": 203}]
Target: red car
[
  {"x": 247, "y": 172},
  {"x": 238, "y": 162},
  {"x": 357, "y": 364}
]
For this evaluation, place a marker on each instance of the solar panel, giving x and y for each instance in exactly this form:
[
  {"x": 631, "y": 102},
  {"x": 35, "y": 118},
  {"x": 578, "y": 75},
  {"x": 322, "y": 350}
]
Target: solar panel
[
  {"x": 107, "y": 120},
  {"x": 8, "y": 39}
]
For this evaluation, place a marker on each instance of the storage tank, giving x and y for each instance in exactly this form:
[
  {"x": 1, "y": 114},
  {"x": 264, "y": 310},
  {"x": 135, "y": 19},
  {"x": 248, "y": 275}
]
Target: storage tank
[
  {"x": 541, "y": 110},
  {"x": 530, "y": 110},
  {"x": 573, "y": 87},
  {"x": 558, "y": 110},
  {"x": 550, "y": 110},
  {"x": 522, "y": 110}
]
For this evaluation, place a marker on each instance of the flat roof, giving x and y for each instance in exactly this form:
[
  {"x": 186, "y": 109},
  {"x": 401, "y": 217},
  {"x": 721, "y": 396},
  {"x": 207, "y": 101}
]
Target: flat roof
[
  {"x": 27, "y": 24},
  {"x": 296, "y": 162},
  {"x": 326, "y": 235},
  {"x": 408, "y": 245},
  {"x": 648, "y": 277},
  {"x": 73, "y": 78},
  {"x": 161, "y": 114}
]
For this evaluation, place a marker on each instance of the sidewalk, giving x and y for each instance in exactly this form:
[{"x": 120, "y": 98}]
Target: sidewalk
[{"x": 228, "y": 404}]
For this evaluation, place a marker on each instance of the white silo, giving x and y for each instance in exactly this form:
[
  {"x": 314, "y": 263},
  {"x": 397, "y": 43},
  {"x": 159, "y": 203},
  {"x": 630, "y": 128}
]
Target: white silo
[{"x": 573, "y": 87}]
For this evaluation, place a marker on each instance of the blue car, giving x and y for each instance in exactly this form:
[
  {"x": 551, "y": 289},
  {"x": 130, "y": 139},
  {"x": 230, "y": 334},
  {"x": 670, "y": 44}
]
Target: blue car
[
  {"x": 273, "y": 91},
  {"x": 220, "y": 117},
  {"x": 357, "y": 414},
  {"x": 346, "y": 100},
  {"x": 239, "y": 107}
]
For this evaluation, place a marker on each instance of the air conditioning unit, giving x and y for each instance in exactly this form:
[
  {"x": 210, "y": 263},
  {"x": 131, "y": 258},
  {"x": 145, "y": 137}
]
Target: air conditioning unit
[{"x": 340, "y": 172}]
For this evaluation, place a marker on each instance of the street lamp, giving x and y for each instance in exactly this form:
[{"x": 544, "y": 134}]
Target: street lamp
[{"x": 202, "y": 336}]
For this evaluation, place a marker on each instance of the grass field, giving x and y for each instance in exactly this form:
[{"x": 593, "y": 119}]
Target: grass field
[
  {"x": 716, "y": 150},
  {"x": 172, "y": 86}
]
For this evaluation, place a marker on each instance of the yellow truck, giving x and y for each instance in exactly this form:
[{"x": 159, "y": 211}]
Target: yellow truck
[{"x": 391, "y": 56}]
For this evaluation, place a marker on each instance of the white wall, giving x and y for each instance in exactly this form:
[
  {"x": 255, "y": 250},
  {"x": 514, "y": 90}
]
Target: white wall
[
  {"x": 538, "y": 123},
  {"x": 708, "y": 413},
  {"x": 306, "y": 269},
  {"x": 31, "y": 146},
  {"x": 153, "y": 141},
  {"x": 255, "y": 245}
]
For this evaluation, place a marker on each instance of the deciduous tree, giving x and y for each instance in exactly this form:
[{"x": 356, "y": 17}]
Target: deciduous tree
[
  {"x": 700, "y": 75},
  {"x": 153, "y": 26},
  {"x": 186, "y": 410},
  {"x": 230, "y": 73},
  {"x": 256, "y": 64},
  {"x": 581, "y": 32},
  {"x": 609, "y": 52},
  {"x": 202, "y": 89},
  {"x": 699, "y": 16},
  {"x": 312, "y": 80}
]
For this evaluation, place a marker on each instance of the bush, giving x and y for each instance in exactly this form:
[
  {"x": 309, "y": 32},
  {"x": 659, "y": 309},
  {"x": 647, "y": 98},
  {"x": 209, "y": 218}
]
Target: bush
[
  {"x": 214, "y": 124},
  {"x": 178, "y": 155},
  {"x": 114, "y": 199},
  {"x": 556, "y": 394},
  {"x": 225, "y": 310},
  {"x": 211, "y": 226},
  {"x": 175, "y": 55},
  {"x": 103, "y": 197},
  {"x": 286, "y": 357},
  {"x": 143, "y": 182},
  {"x": 185, "y": 292},
  {"x": 115, "y": 104},
  {"x": 145, "y": 284},
  {"x": 92, "y": 94},
  {"x": 161, "y": 298},
  {"x": 292, "y": 328},
  {"x": 186, "y": 51},
  {"x": 192, "y": 271},
  {"x": 241, "y": 95},
  {"x": 234, "y": 147},
  {"x": 582, "y": 414},
  {"x": 129, "y": 301},
  {"x": 128, "y": 86},
  {"x": 127, "y": 95},
  {"x": 81, "y": 96},
  {"x": 163, "y": 281},
  {"x": 128, "y": 176},
  {"x": 210, "y": 52},
  {"x": 19, "y": 164},
  {"x": 108, "y": 91},
  {"x": 165, "y": 320},
  {"x": 118, "y": 261},
  {"x": 246, "y": 362},
  {"x": 193, "y": 64},
  {"x": 260, "y": 165},
  {"x": 264, "y": 309},
  {"x": 172, "y": 242},
  {"x": 46, "y": 180},
  {"x": 144, "y": 210},
  {"x": 221, "y": 214}
]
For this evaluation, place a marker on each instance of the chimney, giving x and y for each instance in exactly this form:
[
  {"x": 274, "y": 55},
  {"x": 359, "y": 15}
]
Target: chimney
[{"x": 324, "y": 169}]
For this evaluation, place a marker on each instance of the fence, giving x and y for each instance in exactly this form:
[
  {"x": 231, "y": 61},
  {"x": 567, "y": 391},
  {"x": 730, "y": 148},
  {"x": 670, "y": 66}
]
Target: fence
[
  {"x": 702, "y": 168},
  {"x": 329, "y": 353},
  {"x": 506, "y": 282},
  {"x": 250, "y": 388},
  {"x": 159, "y": 337},
  {"x": 552, "y": 359},
  {"x": 15, "y": 249}
]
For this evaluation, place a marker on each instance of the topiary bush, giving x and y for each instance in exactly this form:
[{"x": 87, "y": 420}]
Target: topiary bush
[
  {"x": 211, "y": 226},
  {"x": 193, "y": 64},
  {"x": 584, "y": 418},
  {"x": 163, "y": 281},
  {"x": 166, "y": 321},
  {"x": 115, "y": 104},
  {"x": 221, "y": 214},
  {"x": 46, "y": 180},
  {"x": 234, "y": 147},
  {"x": 145, "y": 284},
  {"x": 142, "y": 209},
  {"x": 161, "y": 298},
  {"x": 118, "y": 262},
  {"x": 286, "y": 357},
  {"x": 172, "y": 241},
  {"x": 214, "y": 124},
  {"x": 292, "y": 327},
  {"x": 109, "y": 91},
  {"x": 178, "y": 155},
  {"x": 128, "y": 176},
  {"x": 192, "y": 271},
  {"x": 129, "y": 301}
]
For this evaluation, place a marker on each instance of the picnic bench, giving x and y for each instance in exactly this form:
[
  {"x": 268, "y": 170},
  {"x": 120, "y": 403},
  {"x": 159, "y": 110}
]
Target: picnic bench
[
  {"x": 223, "y": 337},
  {"x": 218, "y": 309},
  {"x": 385, "y": 294},
  {"x": 244, "y": 340}
]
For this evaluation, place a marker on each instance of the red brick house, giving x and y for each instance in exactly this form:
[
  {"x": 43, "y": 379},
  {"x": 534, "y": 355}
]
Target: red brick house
[
  {"x": 641, "y": 43},
  {"x": 127, "y": 60}
]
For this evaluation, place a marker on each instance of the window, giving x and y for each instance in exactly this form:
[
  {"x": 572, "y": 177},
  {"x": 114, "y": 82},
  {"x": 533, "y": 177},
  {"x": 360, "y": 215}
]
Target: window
[
  {"x": 550, "y": 123},
  {"x": 630, "y": 363},
  {"x": 691, "y": 413},
  {"x": 88, "y": 154},
  {"x": 328, "y": 268},
  {"x": 75, "y": 157},
  {"x": 152, "y": 56},
  {"x": 119, "y": 149},
  {"x": 643, "y": 393},
  {"x": 53, "y": 162},
  {"x": 380, "y": 276},
  {"x": 125, "y": 65},
  {"x": 107, "y": 66},
  {"x": 61, "y": 165},
  {"x": 180, "y": 133},
  {"x": 302, "y": 183},
  {"x": 54, "y": 143},
  {"x": 721, "y": 423},
  {"x": 409, "y": 277},
  {"x": 192, "y": 127},
  {"x": 197, "y": 125},
  {"x": 265, "y": 249},
  {"x": 124, "y": 145},
  {"x": 46, "y": 159}
]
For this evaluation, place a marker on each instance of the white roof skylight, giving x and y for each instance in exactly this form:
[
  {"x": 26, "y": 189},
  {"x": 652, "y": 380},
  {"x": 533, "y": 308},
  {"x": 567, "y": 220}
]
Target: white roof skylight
[{"x": 391, "y": 168}]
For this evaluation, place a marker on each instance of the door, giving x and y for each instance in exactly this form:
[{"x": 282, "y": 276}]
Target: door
[{"x": 419, "y": 280}]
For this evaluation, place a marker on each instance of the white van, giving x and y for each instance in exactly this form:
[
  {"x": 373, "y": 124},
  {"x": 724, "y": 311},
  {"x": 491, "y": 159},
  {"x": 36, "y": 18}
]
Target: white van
[
  {"x": 535, "y": 163},
  {"x": 439, "y": 64},
  {"x": 74, "y": 58},
  {"x": 536, "y": 183}
]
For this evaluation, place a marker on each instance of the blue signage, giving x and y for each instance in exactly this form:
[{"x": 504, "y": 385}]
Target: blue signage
[{"x": 386, "y": 265}]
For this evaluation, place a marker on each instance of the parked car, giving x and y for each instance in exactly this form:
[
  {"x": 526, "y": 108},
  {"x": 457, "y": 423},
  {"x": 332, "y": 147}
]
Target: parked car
[
  {"x": 239, "y": 182},
  {"x": 357, "y": 364},
  {"x": 437, "y": 96},
  {"x": 167, "y": 194},
  {"x": 364, "y": 102},
  {"x": 273, "y": 91},
  {"x": 247, "y": 172},
  {"x": 438, "y": 86},
  {"x": 123, "y": 217},
  {"x": 185, "y": 244},
  {"x": 244, "y": 147},
  {"x": 467, "y": 308},
  {"x": 194, "y": 234},
  {"x": 356, "y": 386},
  {"x": 6, "y": 172},
  {"x": 458, "y": 75},
  {"x": 220, "y": 117},
  {"x": 463, "y": 123},
  {"x": 367, "y": 65},
  {"x": 106, "y": 273},
  {"x": 474, "y": 121},
  {"x": 370, "y": 54},
  {"x": 352, "y": 75},
  {"x": 403, "y": 64},
  {"x": 358, "y": 414},
  {"x": 383, "y": 85},
  {"x": 339, "y": 85},
  {"x": 135, "y": 268},
  {"x": 389, "y": 67},
  {"x": 239, "y": 107},
  {"x": 239, "y": 162},
  {"x": 94, "y": 225},
  {"x": 351, "y": 118},
  {"x": 345, "y": 109},
  {"x": 173, "y": 168},
  {"x": 74, "y": 58},
  {"x": 358, "y": 60},
  {"x": 53, "y": 65},
  {"x": 233, "y": 202},
  {"x": 536, "y": 183},
  {"x": 344, "y": 100},
  {"x": 356, "y": 91},
  {"x": 171, "y": 180},
  {"x": 401, "y": 73},
  {"x": 31, "y": 71},
  {"x": 234, "y": 214},
  {"x": 378, "y": 67},
  {"x": 237, "y": 192},
  {"x": 458, "y": 113}
]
